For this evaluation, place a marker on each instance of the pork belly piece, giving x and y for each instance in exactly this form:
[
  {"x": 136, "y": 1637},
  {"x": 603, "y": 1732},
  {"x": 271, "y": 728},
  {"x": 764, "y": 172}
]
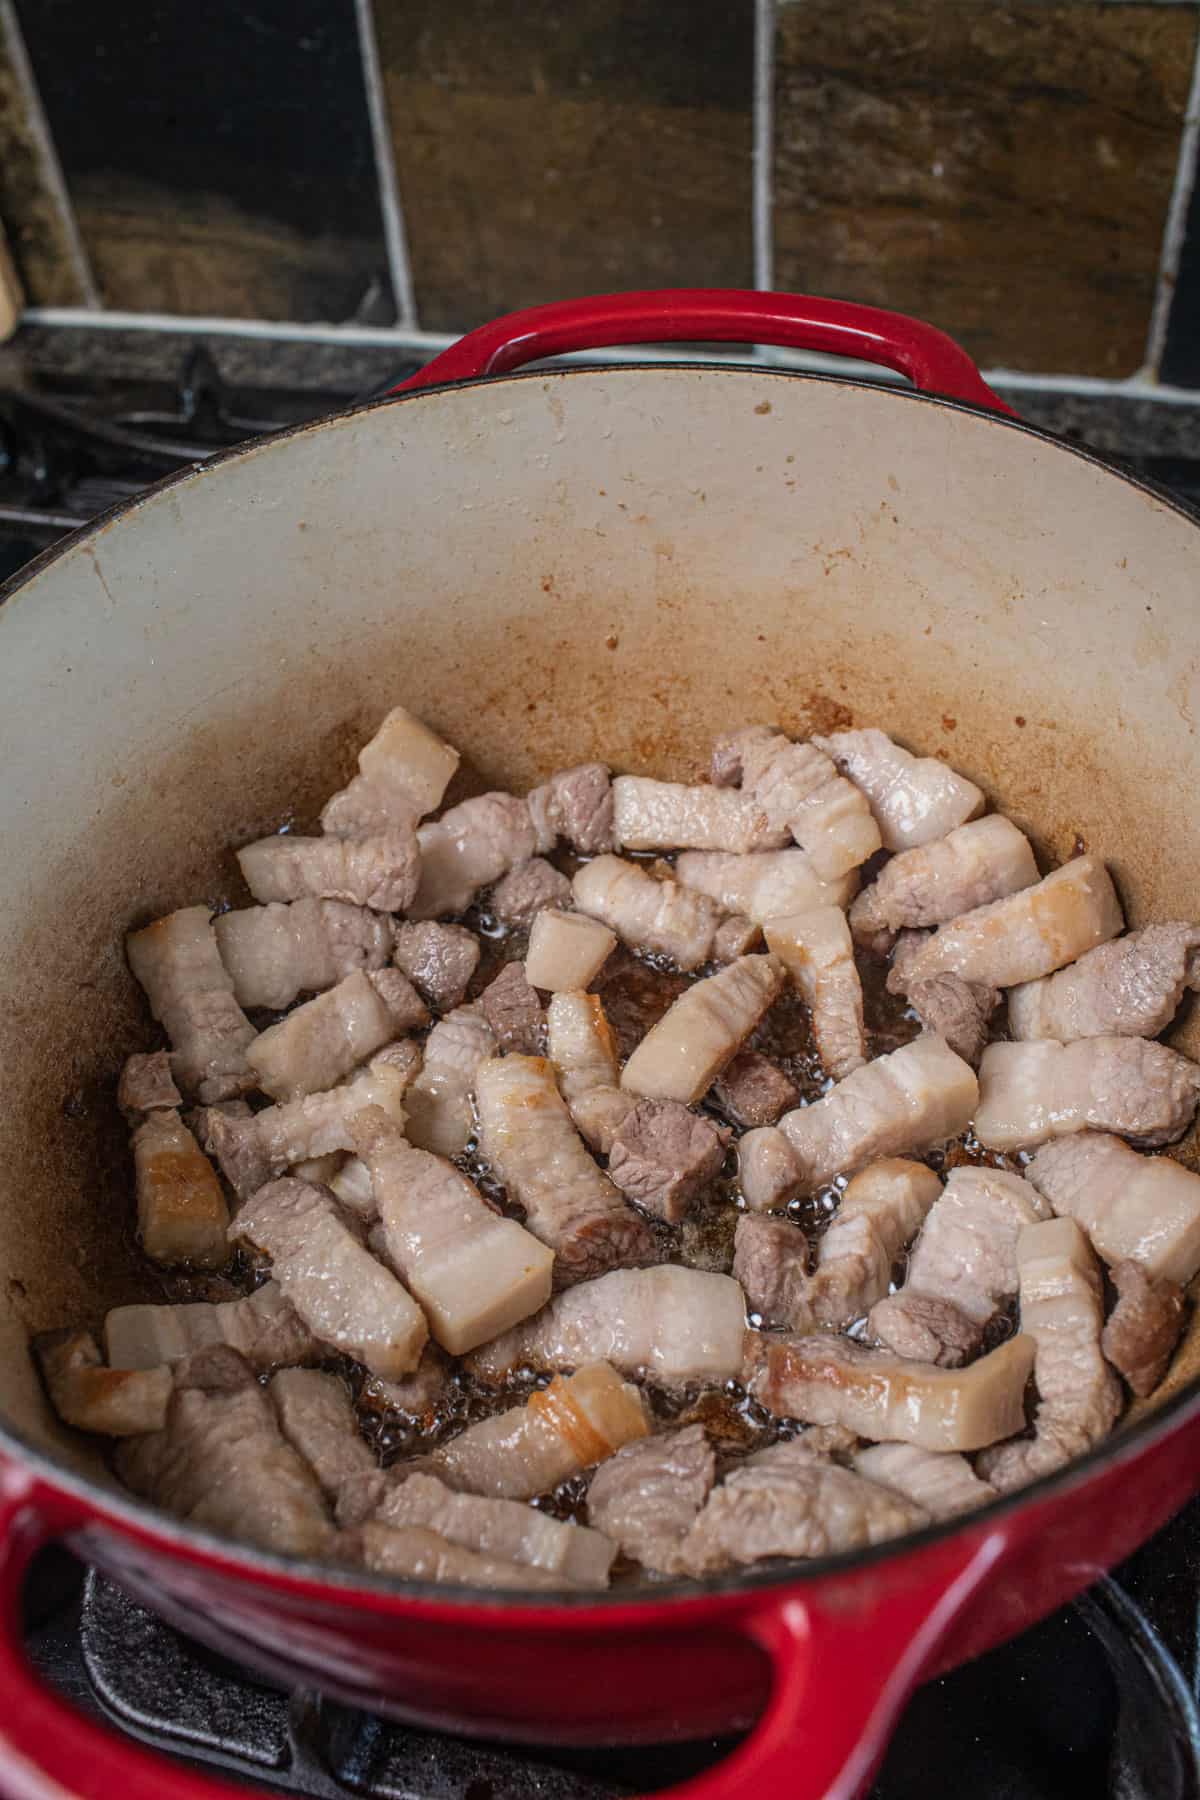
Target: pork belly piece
[
  {"x": 469, "y": 848},
  {"x": 576, "y": 804},
  {"x": 827, "y": 1380},
  {"x": 440, "y": 1115},
  {"x": 924, "y": 1328},
  {"x": 344, "y": 1296},
  {"x": 666, "y": 815},
  {"x": 263, "y": 1327},
  {"x": 799, "y": 789},
  {"x": 583, "y": 1053},
  {"x": 987, "y": 860},
  {"x": 404, "y": 771},
  {"x": 439, "y": 960},
  {"x": 1134, "y": 1087},
  {"x": 425, "y": 1556},
  {"x": 1143, "y": 1328},
  {"x": 147, "y": 1085},
  {"x": 514, "y": 1012},
  {"x": 647, "y": 1497},
  {"x": 278, "y": 951},
  {"x": 574, "y": 1423},
  {"x": 681, "y": 1056},
  {"x": 816, "y": 950},
  {"x": 474, "y": 1273},
  {"x": 1062, "y": 1310},
  {"x": 1143, "y": 1209},
  {"x": 909, "y": 1100},
  {"x": 905, "y": 951},
  {"x": 940, "y": 1482},
  {"x": 182, "y": 1215},
  {"x": 86, "y": 1394},
  {"x": 914, "y": 798},
  {"x": 1029, "y": 934},
  {"x": 966, "y": 1257},
  {"x": 880, "y": 1211},
  {"x": 381, "y": 871},
  {"x": 662, "y": 1156},
  {"x": 321, "y": 1041},
  {"x": 527, "y": 1135},
  {"x": 669, "y": 1323},
  {"x": 958, "y": 1010},
  {"x": 221, "y": 1462},
  {"x": 1130, "y": 987},
  {"x": 316, "y": 1417},
  {"x": 566, "y": 951},
  {"x": 753, "y": 1090},
  {"x": 762, "y": 886},
  {"x": 417, "y": 1395},
  {"x": 784, "y": 1501},
  {"x": 177, "y": 962},
  {"x": 525, "y": 890},
  {"x": 507, "y": 1529},
  {"x": 660, "y": 916}
]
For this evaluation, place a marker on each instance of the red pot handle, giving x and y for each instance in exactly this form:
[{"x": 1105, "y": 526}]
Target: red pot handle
[{"x": 932, "y": 361}]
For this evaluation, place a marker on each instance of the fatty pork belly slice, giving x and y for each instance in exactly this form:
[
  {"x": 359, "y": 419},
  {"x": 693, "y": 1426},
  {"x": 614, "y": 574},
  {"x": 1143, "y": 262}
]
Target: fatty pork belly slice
[
  {"x": 439, "y": 960},
  {"x": 345, "y": 1297},
  {"x": 1029, "y": 934},
  {"x": 940, "y": 1481},
  {"x": 381, "y": 871},
  {"x": 319, "y": 1043},
  {"x": 1133, "y": 1087},
  {"x": 264, "y": 1327},
  {"x": 1130, "y": 987},
  {"x": 1062, "y": 1310},
  {"x": 177, "y": 962},
  {"x": 681, "y": 1056},
  {"x": 662, "y": 1156},
  {"x": 763, "y": 885},
  {"x": 422, "y": 1555},
  {"x": 909, "y": 1100},
  {"x": 915, "y": 799},
  {"x": 647, "y": 1497},
  {"x": 752, "y": 1090},
  {"x": 577, "y": 805},
  {"x": 583, "y": 1052},
  {"x": 469, "y": 848},
  {"x": 86, "y": 1394},
  {"x": 827, "y": 1380},
  {"x": 965, "y": 1260},
  {"x": 181, "y": 1211},
  {"x": 1143, "y": 1209},
  {"x": 667, "y": 815},
  {"x": 787, "y": 1501},
  {"x": 527, "y": 1135},
  {"x": 506, "y": 1529},
  {"x": 647, "y": 914},
  {"x": 474, "y": 1273},
  {"x": 278, "y": 951},
  {"x": 560, "y": 1430},
  {"x": 316, "y": 1417},
  {"x": 1143, "y": 1328},
  {"x": 404, "y": 771},
  {"x": 440, "y": 1113},
  {"x": 799, "y": 789},
  {"x": 524, "y": 891},
  {"x": 673, "y": 1325},
  {"x": 818, "y": 953},
  {"x": 566, "y": 950},
  {"x": 984, "y": 861},
  {"x": 881, "y": 1210},
  {"x": 222, "y": 1463}
]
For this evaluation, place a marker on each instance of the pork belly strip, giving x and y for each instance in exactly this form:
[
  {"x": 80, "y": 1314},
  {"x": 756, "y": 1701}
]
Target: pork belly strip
[
  {"x": 316, "y": 1417},
  {"x": 84, "y": 1393},
  {"x": 424, "y": 1555},
  {"x": 526, "y": 1134},
  {"x": 263, "y": 1327},
  {"x": 976, "y": 864},
  {"x": 909, "y": 1100},
  {"x": 681, "y": 1056},
  {"x": 380, "y": 871},
  {"x": 827, "y": 1380},
  {"x": 583, "y": 1052},
  {"x": 660, "y": 916},
  {"x": 469, "y": 848},
  {"x": 1130, "y": 987},
  {"x": 1144, "y": 1209},
  {"x": 647, "y": 1497},
  {"x": 221, "y": 1462},
  {"x": 662, "y": 1157},
  {"x": 799, "y": 789},
  {"x": 181, "y": 1211},
  {"x": 323, "y": 1040},
  {"x": 673, "y": 1324},
  {"x": 474, "y": 1274},
  {"x": 818, "y": 954},
  {"x": 403, "y": 772},
  {"x": 575, "y": 804},
  {"x": 914, "y": 798},
  {"x": 667, "y": 815},
  {"x": 566, "y": 951},
  {"x": 177, "y": 963},
  {"x": 1029, "y": 934},
  {"x": 1136, "y": 1088},
  {"x": 941, "y": 1482},
  {"x": 440, "y": 1115},
  {"x": 275, "y": 952},
  {"x": 574, "y": 1423},
  {"x": 147, "y": 1085},
  {"x": 345, "y": 1297},
  {"x": 439, "y": 960},
  {"x": 506, "y": 1529},
  {"x": 764, "y": 885},
  {"x": 1143, "y": 1328}
]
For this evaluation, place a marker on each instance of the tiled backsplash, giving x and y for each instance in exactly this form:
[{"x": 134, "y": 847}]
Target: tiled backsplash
[{"x": 1017, "y": 173}]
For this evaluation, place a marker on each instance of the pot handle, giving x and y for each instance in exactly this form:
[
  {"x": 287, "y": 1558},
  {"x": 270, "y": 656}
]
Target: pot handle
[{"x": 932, "y": 361}]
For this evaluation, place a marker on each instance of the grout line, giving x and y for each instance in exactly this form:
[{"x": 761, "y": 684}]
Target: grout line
[
  {"x": 390, "y": 204},
  {"x": 763, "y": 156},
  {"x": 1175, "y": 229},
  {"x": 51, "y": 167}
]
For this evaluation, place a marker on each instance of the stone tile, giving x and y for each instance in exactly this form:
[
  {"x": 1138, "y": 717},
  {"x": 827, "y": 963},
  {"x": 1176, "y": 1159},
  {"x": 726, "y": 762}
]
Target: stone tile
[
  {"x": 546, "y": 151},
  {"x": 1002, "y": 170},
  {"x": 32, "y": 206}
]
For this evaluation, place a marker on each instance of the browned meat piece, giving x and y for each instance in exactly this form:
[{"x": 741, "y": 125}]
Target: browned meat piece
[
  {"x": 725, "y": 768},
  {"x": 1130, "y": 987},
  {"x": 584, "y": 1054},
  {"x": 763, "y": 885},
  {"x": 440, "y": 1115},
  {"x": 957, "y": 1010},
  {"x": 666, "y": 815},
  {"x": 663, "y": 1156},
  {"x": 1142, "y": 1208},
  {"x": 439, "y": 960},
  {"x": 566, "y": 951},
  {"x": 817, "y": 951},
  {"x": 221, "y": 1462},
  {"x": 802, "y": 795},
  {"x": 514, "y": 1012},
  {"x": 177, "y": 962},
  {"x": 501, "y": 1528},
  {"x": 681, "y": 1056},
  {"x": 923, "y": 1328},
  {"x": 425, "y": 1556},
  {"x": 323, "y": 1040},
  {"x": 403, "y": 773},
  {"x": 275, "y": 952},
  {"x": 1133, "y": 1087},
  {"x": 381, "y": 871},
  {"x": 263, "y": 1326},
  {"x": 417, "y": 1395},
  {"x": 941, "y": 1481},
  {"x": 469, "y": 848},
  {"x": 146, "y": 1085},
  {"x": 576, "y": 804},
  {"x": 987, "y": 860},
  {"x": 652, "y": 913},
  {"x": 1143, "y": 1328},
  {"x": 647, "y": 1497},
  {"x": 754, "y": 1090},
  {"x": 906, "y": 952},
  {"x": 182, "y": 1215},
  {"x": 117, "y": 1402},
  {"x": 770, "y": 1259},
  {"x": 527, "y": 889},
  {"x": 914, "y": 798},
  {"x": 316, "y": 1417}
]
